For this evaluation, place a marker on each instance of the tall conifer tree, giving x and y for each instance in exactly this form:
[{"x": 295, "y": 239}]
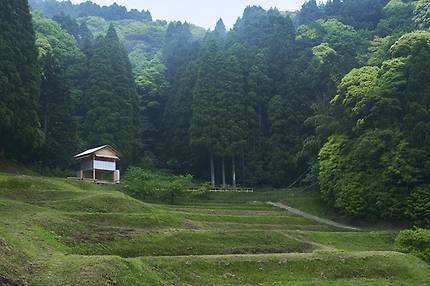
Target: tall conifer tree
[
  {"x": 179, "y": 53},
  {"x": 59, "y": 128},
  {"x": 19, "y": 79},
  {"x": 111, "y": 99},
  {"x": 204, "y": 125}
]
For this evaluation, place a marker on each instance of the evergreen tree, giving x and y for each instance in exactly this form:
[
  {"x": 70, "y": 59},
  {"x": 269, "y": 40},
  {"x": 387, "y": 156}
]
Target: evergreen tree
[
  {"x": 56, "y": 106},
  {"x": 177, "y": 119},
  {"x": 19, "y": 81},
  {"x": 55, "y": 42},
  {"x": 281, "y": 48},
  {"x": 310, "y": 11},
  {"x": 85, "y": 38},
  {"x": 259, "y": 93},
  {"x": 179, "y": 51},
  {"x": 110, "y": 99},
  {"x": 231, "y": 111},
  {"x": 113, "y": 12},
  {"x": 220, "y": 28},
  {"x": 62, "y": 65},
  {"x": 67, "y": 23},
  {"x": 152, "y": 86},
  {"x": 333, "y": 7},
  {"x": 204, "y": 125},
  {"x": 178, "y": 48}
]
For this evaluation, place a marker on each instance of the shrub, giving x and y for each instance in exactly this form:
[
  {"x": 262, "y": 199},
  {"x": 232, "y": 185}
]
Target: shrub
[
  {"x": 415, "y": 242},
  {"x": 141, "y": 184},
  {"x": 176, "y": 187},
  {"x": 204, "y": 190}
]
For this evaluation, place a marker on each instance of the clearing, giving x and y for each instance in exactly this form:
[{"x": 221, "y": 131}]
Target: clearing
[{"x": 58, "y": 232}]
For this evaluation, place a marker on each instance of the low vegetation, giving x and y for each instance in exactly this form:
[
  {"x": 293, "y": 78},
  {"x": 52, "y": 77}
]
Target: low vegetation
[
  {"x": 58, "y": 232},
  {"x": 146, "y": 184},
  {"x": 416, "y": 242}
]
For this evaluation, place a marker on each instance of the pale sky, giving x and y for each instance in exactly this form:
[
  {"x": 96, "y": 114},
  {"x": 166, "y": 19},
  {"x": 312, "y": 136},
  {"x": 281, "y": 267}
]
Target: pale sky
[{"x": 204, "y": 13}]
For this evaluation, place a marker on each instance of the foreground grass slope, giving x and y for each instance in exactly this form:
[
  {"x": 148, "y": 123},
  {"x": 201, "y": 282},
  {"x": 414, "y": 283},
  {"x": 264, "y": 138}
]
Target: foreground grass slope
[{"x": 58, "y": 232}]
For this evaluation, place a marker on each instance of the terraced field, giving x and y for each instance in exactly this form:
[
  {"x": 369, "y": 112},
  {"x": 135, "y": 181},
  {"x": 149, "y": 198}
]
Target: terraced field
[{"x": 55, "y": 232}]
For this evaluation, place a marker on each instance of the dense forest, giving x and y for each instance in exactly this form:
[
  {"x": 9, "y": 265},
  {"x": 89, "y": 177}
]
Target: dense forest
[{"x": 335, "y": 96}]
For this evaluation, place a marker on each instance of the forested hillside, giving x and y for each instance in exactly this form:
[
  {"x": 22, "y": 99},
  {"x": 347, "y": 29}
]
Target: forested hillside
[
  {"x": 114, "y": 12},
  {"x": 336, "y": 96}
]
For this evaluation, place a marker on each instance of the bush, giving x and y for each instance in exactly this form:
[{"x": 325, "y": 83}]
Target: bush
[
  {"x": 176, "y": 187},
  {"x": 203, "y": 191},
  {"x": 415, "y": 242},
  {"x": 141, "y": 184}
]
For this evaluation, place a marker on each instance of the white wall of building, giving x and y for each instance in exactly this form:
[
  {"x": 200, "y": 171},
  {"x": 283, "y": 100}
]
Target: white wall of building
[{"x": 103, "y": 165}]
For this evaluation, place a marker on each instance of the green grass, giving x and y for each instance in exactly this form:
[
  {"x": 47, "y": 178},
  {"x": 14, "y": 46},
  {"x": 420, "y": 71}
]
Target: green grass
[
  {"x": 59, "y": 232},
  {"x": 294, "y": 269},
  {"x": 193, "y": 243},
  {"x": 307, "y": 200},
  {"x": 249, "y": 219},
  {"x": 354, "y": 241},
  {"x": 131, "y": 220},
  {"x": 101, "y": 203}
]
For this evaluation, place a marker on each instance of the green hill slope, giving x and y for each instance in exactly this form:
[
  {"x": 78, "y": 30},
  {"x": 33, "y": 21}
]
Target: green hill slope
[{"x": 57, "y": 232}]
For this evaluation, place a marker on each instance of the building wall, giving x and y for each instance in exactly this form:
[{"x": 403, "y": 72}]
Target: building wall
[
  {"x": 87, "y": 165},
  {"x": 104, "y": 165},
  {"x": 99, "y": 165},
  {"x": 106, "y": 153}
]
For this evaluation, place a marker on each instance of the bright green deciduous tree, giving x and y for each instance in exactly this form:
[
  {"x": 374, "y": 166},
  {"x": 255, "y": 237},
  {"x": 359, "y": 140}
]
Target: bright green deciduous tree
[{"x": 378, "y": 166}]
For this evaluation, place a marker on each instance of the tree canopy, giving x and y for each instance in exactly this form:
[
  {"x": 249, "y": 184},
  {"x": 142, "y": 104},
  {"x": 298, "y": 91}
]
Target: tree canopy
[
  {"x": 19, "y": 81},
  {"x": 334, "y": 96}
]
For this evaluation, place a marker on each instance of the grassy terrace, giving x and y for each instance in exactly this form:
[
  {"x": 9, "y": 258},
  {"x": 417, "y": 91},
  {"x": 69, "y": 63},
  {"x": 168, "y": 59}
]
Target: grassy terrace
[{"x": 55, "y": 232}]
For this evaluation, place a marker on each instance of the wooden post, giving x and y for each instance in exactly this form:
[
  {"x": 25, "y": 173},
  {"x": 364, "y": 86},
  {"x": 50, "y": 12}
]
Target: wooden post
[
  {"x": 233, "y": 168},
  {"x": 94, "y": 170},
  {"x": 212, "y": 169},
  {"x": 223, "y": 172}
]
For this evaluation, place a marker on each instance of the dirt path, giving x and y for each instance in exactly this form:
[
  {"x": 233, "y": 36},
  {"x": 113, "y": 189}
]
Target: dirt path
[{"x": 311, "y": 217}]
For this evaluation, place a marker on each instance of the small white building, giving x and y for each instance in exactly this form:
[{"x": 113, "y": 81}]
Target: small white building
[{"x": 99, "y": 164}]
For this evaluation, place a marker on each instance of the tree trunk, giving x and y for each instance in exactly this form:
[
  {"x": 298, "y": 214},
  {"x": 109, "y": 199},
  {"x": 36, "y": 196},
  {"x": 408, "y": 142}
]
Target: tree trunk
[
  {"x": 45, "y": 121},
  {"x": 212, "y": 169},
  {"x": 223, "y": 172},
  {"x": 243, "y": 166},
  {"x": 45, "y": 125},
  {"x": 260, "y": 117},
  {"x": 233, "y": 169},
  {"x": 172, "y": 198}
]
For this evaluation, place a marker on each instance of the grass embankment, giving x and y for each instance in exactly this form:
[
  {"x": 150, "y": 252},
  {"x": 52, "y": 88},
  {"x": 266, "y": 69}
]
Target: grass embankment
[
  {"x": 306, "y": 200},
  {"x": 56, "y": 232}
]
